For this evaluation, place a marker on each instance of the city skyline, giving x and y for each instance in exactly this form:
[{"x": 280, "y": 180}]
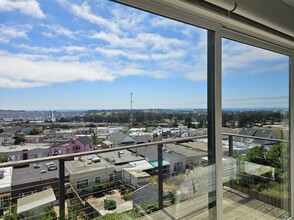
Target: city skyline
[{"x": 92, "y": 54}]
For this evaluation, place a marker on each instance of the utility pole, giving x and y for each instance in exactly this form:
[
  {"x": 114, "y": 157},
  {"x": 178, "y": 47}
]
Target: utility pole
[{"x": 131, "y": 110}]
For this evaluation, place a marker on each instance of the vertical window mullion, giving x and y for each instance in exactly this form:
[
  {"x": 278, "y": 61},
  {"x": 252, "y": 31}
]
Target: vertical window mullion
[{"x": 214, "y": 121}]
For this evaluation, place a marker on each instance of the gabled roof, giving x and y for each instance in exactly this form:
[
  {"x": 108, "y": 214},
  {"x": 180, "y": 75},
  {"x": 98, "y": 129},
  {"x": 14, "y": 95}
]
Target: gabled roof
[
  {"x": 248, "y": 131},
  {"x": 117, "y": 138},
  {"x": 85, "y": 140},
  {"x": 142, "y": 139}
]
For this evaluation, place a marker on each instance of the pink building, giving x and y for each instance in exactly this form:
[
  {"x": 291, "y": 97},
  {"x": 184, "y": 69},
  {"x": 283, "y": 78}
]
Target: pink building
[{"x": 81, "y": 144}]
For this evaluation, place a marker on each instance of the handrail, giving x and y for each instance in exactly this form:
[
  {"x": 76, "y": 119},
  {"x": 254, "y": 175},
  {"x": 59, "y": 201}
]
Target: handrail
[
  {"x": 71, "y": 156},
  {"x": 255, "y": 137}
]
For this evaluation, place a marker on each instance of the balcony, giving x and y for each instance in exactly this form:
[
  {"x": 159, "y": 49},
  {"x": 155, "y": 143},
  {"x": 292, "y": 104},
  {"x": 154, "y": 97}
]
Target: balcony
[{"x": 75, "y": 191}]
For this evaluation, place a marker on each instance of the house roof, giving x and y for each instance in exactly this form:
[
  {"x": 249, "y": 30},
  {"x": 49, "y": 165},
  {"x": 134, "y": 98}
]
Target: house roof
[
  {"x": 264, "y": 134},
  {"x": 142, "y": 138},
  {"x": 84, "y": 140},
  {"x": 31, "y": 174},
  {"x": 248, "y": 131},
  {"x": 145, "y": 194},
  {"x": 185, "y": 151},
  {"x": 85, "y": 164},
  {"x": 117, "y": 138},
  {"x": 121, "y": 156},
  {"x": 141, "y": 164},
  {"x": 35, "y": 200}
]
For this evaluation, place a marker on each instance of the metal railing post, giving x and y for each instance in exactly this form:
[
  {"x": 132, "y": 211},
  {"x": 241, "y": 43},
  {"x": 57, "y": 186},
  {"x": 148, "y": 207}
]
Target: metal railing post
[
  {"x": 231, "y": 150},
  {"x": 160, "y": 177},
  {"x": 61, "y": 190}
]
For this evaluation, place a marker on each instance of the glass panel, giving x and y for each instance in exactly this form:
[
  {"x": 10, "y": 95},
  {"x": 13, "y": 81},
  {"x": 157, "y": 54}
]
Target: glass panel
[
  {"x": 255, "y": 119},
  {"x": 95, "y": 74}
]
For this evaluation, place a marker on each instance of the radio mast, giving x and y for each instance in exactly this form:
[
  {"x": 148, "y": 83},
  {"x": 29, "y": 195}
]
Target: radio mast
[{"x": 131, "y": 110}]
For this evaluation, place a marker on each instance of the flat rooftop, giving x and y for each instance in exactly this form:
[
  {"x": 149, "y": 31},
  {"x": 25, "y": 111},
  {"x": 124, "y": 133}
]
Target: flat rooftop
[
  {"x": 5, "y": 182},
  {"x": 16, "y": 148},
  {"x": 121, "y": 157},
  {"x": 86, "y": 164},
  {"x": 30, "y": 174}
]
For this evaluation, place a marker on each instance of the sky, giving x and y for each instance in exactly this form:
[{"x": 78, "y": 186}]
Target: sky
[{"x": 72, "y": 54}]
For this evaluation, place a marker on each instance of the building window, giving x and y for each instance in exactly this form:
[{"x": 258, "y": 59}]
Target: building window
[
  {"x": 82, "y": 184},
  {"x": 77, "y": 148},
  {"x": 26, "y": 193},
  {"x": 98, "y": 179},
  {"x": 178, "y": 166}
]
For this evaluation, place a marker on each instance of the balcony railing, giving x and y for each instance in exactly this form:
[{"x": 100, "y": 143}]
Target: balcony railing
[{"x": 188, "y": 206}]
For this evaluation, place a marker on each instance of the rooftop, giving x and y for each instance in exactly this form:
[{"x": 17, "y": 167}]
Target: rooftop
[
  {"x": 121, "y": 157},
  {"x": 14, "y": 148},
  {"x": 86, "y": 164}
]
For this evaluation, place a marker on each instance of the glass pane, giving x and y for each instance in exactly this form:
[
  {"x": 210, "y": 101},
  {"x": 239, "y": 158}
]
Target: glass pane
[
  {"x": 87, "y": 75},
  {"x": 256, "y": 132}
]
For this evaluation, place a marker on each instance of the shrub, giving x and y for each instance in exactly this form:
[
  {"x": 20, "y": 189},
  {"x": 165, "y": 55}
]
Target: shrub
[{"x": 109, "y": 204}]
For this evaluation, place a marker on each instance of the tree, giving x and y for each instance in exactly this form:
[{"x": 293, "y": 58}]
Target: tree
[
  {"x": 109, "y": 204},
  {"x": 278, "y": 157},
  {"x": 95, "y": 138},
  {"x": 3, "y": 159},
  {"x": 35, "y": 131},
  {"x": 18, "y": 139},
  {"x": 255, "y": 155},
  {"x": 48, "y": 213}
]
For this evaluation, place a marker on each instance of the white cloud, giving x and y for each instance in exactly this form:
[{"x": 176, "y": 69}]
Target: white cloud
[
  {"x": 57, "y": 30},
  {"x": 23, "y": 71},
  {"x": 117, "y": 41},
  {"x": 8, "y": 32},
  {"x": 84, "y": 11},
  {"x": 26, "y": 7},
  {"x": 27, "y": 71},
  {"x": 237, "y": 55}
]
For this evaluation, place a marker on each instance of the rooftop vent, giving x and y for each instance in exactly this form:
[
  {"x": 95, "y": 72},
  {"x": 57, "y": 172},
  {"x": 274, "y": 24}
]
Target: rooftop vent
[{"x": 96, "y": 159}]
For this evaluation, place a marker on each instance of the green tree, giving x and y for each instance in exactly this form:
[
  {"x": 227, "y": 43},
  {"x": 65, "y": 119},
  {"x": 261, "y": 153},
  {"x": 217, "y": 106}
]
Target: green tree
[
  {"x": 256, "y": 155},
  {"x": 74, "y": 207},
  {"x": 35, "y": 131},
  {"x": 278, "y": 157},
  {"x": 18, "y": 139},
  {"x": 48, "y": 213},
  {"x": 3, "y": 159},
  {"x": 95, "y": 138}
]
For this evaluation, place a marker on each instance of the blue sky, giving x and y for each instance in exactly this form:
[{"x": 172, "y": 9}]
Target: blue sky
[{"x": 63, "y": 54}]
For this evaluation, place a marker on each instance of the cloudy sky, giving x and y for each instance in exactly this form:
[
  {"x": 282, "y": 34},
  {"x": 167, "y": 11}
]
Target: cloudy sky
[{"x": 71, "y": 54}]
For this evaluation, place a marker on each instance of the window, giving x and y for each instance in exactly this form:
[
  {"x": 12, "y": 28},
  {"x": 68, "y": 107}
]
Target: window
[
  {"x": 255, "y": 104},
  {"x": 77, "y": 148},
  {"x": 82, "y": 184},
  {"x": 178, "y": 166},
  {"x": 98, "y": 179}
]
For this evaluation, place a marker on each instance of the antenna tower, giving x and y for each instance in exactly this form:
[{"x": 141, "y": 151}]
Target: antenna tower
[{"x": 131, "y": 110}]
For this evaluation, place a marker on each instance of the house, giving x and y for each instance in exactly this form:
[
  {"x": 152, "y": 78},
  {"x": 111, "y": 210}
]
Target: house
[
  {"x": 120, "y": 157},
  {"x": 5, "y": 188},
  {"x": 135, "y": 177},
  {"x": 84, "y": 171},
  {"x": 25, "y": 151},
  {"x": 81, "y": 144},
  {"x": 119, "y": 139},
  {"x": 172, "y": 161},
  {"x": 30, "y": 206},
  {"x": 27, "y": 180},
  {"x": 193, "y": 157},
  {"x": 262, "y": 133}
]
